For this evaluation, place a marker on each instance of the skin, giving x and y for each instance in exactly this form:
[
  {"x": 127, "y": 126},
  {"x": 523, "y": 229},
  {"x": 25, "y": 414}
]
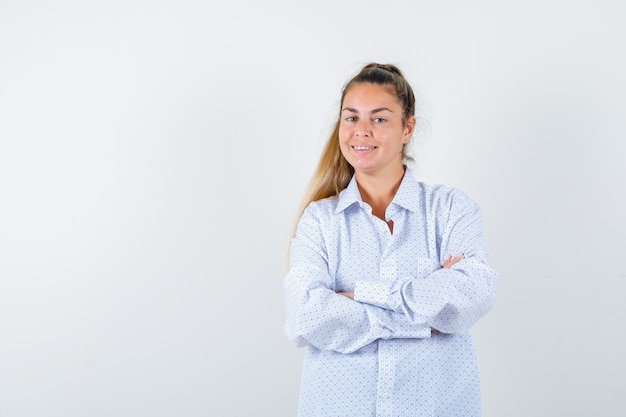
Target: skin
[{"x": 372, "y": 133}]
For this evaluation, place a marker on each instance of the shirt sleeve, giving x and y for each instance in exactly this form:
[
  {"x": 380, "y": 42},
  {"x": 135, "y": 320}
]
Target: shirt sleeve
[
  {"x": 449, "y": 299},
  {"x": 317, "y": 316}
]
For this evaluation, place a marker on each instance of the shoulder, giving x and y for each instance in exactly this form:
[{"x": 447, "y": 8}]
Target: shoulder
[
  {"x": 322, "y": 208},
  {"x": 441, "y": 192},
  {"x": 318, "y": 213},
  {"x": 444, "y": 199},
  {"x": 316, "y": 223}
]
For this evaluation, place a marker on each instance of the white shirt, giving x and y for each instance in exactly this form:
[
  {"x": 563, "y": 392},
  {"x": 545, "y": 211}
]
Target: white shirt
[{"x": 375, "y": 355}]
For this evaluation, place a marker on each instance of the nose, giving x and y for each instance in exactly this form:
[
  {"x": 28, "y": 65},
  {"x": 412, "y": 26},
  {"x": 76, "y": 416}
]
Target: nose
[{"x": 363, "y": 128}]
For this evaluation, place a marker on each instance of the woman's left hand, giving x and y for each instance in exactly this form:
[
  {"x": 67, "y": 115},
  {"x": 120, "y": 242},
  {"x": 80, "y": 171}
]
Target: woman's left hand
[{"x": 451, "y": 261}]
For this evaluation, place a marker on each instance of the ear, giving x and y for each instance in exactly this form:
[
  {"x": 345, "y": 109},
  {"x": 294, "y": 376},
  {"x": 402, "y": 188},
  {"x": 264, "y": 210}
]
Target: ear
[{"x": 409, "y": 128}]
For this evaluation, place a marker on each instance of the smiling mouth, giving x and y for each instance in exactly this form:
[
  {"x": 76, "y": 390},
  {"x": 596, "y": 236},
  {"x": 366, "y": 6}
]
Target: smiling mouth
[{"x": 363, "y": 148}]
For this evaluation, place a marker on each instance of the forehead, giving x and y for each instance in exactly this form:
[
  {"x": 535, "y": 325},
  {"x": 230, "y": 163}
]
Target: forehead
[{"x": 366, "y": 95}]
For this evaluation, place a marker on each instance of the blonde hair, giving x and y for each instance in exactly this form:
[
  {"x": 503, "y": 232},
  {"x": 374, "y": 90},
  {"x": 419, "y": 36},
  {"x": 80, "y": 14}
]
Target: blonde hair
[{"x": 333, "y": 172}]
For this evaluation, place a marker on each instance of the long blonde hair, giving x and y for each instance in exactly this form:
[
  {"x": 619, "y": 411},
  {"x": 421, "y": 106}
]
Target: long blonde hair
[{"x": 333, "y": 172}]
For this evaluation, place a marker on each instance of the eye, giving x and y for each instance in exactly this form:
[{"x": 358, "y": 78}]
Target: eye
[
  {"x": 350, "y": 119},
  {"x": 379, "y": 120}
]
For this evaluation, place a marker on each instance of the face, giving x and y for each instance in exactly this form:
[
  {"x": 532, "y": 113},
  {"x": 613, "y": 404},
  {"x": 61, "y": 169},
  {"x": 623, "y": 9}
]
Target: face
[{"x": 371, "y": 131}]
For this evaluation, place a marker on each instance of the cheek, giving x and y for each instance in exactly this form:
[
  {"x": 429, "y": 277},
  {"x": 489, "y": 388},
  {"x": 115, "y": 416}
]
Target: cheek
[
  {"x": 344, "y": 136},
  {"x": 344, "y": 139}
]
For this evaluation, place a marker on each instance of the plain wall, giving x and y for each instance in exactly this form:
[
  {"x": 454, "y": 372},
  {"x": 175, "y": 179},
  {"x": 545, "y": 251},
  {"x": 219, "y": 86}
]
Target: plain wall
[{"x": 153, "y": 155}]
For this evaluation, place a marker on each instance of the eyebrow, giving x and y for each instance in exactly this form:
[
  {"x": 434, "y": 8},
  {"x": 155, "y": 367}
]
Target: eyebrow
[{"x": 352, "y": 110}]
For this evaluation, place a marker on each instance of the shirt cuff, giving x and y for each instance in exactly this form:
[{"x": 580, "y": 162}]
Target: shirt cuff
[
  {"x": 374, "y": 293},
  {"x": 408, "y": 330}
]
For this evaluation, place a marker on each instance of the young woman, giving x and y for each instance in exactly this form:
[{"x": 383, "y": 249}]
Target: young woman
[{"x": 387, "y": 274}]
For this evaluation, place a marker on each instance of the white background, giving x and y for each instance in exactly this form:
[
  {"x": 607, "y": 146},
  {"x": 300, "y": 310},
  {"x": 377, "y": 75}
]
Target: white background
[{"x": 153, "y": 155}]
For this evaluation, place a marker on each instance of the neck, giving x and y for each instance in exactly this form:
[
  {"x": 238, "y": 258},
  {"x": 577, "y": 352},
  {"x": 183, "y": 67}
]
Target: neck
[{"x": 379, "y": 190}]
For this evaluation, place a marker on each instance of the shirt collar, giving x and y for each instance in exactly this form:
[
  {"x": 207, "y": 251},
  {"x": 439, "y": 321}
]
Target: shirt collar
[
  {"x": 406, "y": 197},
  {"x": 349, "y": 196}
]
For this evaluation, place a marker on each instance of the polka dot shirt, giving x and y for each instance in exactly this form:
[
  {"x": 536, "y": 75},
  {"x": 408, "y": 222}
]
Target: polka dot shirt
[{"x": 377, "y": 355}]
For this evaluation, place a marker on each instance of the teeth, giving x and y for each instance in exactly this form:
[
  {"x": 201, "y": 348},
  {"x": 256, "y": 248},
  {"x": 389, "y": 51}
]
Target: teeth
[{"x": 362, "y": 148}]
